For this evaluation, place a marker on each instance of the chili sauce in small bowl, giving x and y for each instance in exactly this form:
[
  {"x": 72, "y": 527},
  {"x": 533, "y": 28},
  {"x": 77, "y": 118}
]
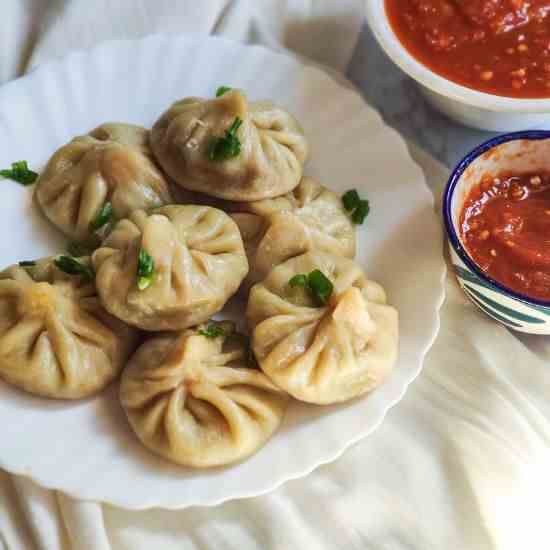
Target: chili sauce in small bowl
[{"x": 496, "y": 210}]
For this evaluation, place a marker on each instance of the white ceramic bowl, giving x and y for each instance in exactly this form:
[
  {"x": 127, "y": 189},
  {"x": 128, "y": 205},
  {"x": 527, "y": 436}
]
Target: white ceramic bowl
[
  {"x": 520, "y": 152},
  {"x": 464, "y": 105}
]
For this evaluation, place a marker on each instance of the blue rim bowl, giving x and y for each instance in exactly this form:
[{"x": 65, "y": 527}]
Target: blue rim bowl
[{"x": 452, "y": 235}]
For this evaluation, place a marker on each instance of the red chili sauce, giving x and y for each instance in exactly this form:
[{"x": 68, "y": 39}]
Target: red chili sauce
[
  {"x": 505, "y": 225},
  {"x": 501, "y": 47}
]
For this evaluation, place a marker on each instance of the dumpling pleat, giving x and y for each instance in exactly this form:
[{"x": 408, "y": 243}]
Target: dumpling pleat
[
  {"x": 87, "y": 326},
  {"x": 67, "y": 204},
  {"x": 95, "y": 192},
  {"x": 224, "y": 376},
  {"x": 18, "y": 340},
  {"x": 51, "y": 194},
  {"x": 228, "y": 409},
  {"x": 276, "y": 329},
  {"x": 255, "y": 402},
  {"x": 144, "y": 393},
  {"x": 283, "y": 351},
  {"x": 338, "y": 358},
  {"x": 154, "y": 422},
  {"x": 274, "y": 305},
  {"x": 185, "y": 280},
  {"x": 278, "y": 149},
  {"x": 192, "y": 424},
  {"x": 65, "y": 349}
]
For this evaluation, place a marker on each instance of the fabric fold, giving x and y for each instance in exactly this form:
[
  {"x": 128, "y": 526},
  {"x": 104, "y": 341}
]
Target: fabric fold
[{"x": 460, "y": 463}]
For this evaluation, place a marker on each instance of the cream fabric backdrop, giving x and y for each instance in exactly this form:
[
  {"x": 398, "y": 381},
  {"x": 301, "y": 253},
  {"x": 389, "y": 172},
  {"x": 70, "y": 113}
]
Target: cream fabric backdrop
[{"x": 461, "y": 463}]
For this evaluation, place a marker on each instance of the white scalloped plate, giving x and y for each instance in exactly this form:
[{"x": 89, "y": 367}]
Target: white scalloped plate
[{"x": 86, "y": 449}]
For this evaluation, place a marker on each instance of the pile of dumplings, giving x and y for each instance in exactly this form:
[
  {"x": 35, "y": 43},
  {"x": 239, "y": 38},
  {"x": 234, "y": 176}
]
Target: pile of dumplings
[{"x": 171, "y": 223}]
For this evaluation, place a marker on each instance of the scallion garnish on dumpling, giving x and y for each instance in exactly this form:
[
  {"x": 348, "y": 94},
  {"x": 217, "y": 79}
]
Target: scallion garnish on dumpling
[
  {"x": 72, "y": 266},
  {"x": 146, "y": 269},
  {"x": 222, "y": 89},
  {"x": 227, "y": 147},
  {"x": 103, "y": 217},
  {"x": 317, "y": 284}
]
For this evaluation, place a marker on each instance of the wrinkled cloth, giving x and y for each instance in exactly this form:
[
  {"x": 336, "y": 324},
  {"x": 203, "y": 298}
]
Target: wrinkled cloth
[
  {"x": 37, "y": 31},
  {"x": 460, "y": 463}
]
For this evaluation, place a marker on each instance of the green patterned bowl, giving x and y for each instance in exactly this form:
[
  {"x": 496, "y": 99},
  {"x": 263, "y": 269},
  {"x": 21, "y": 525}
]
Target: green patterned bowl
[{"x": 519, "y": 152}]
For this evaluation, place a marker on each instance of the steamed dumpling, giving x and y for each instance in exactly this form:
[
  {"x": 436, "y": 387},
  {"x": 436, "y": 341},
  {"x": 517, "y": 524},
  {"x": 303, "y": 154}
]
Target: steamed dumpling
[
  {"x": 273, "y": 147},
  {"x": 323, "y": 354},
  {"x": 56, "y": 340},
  {"x": 112, "y": 164},
  {"x": 311, "y": 217},
  {"x": 195, "y": 400},
  {"x": 199, "y": 262}
]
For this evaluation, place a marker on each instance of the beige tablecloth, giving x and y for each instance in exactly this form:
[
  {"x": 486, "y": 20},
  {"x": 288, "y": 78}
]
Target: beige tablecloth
[{"x": 461, "y": 463}]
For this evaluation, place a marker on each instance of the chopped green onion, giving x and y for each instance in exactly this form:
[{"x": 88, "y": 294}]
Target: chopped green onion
[
  {"x": 316, "y": 283},
  {"x": 27, "y": 263},
  {"x": 212, "y": 330},
  {"x": 298, "y": 280},
  {"x": 20, "y": 173},
  {"x": 103, "y": 217},
  {"x": 320, "y": 286},
  {"x": 351, "y": 200},
  {"x": 70, "y": 265},
  {"x": 146, "y": 269},
  {"x": 358, "y": 208},
  {"x": 361, "y": 212},
  {"x": 229, "y": 146},
  {"x": 221, "y": 90}
]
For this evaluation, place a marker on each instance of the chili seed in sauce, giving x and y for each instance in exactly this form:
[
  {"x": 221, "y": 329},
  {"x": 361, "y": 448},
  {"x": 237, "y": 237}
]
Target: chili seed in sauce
[{"x": 506, "y": 230}]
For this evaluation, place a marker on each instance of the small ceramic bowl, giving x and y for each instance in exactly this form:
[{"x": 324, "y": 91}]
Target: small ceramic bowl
[
  {"x": 518, "y": 152},
  {"x": 464, "y": 105}
]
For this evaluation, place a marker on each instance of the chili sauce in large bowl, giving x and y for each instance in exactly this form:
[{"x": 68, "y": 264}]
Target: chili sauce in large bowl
[{"x": 501, "y": 47}]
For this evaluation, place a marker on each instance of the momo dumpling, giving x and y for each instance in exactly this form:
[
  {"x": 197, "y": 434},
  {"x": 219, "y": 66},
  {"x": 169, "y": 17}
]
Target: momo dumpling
[
  {"x": 229, "y": 148},
  {"x": 311, "y": 217},
  {"x": 171, "y": 268},
  {"x": 98, "y": 178},
  {"x": 56, "y": 339},
  {"x": 195, "y": 400},
  {"x": 322, "y": 338}
]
